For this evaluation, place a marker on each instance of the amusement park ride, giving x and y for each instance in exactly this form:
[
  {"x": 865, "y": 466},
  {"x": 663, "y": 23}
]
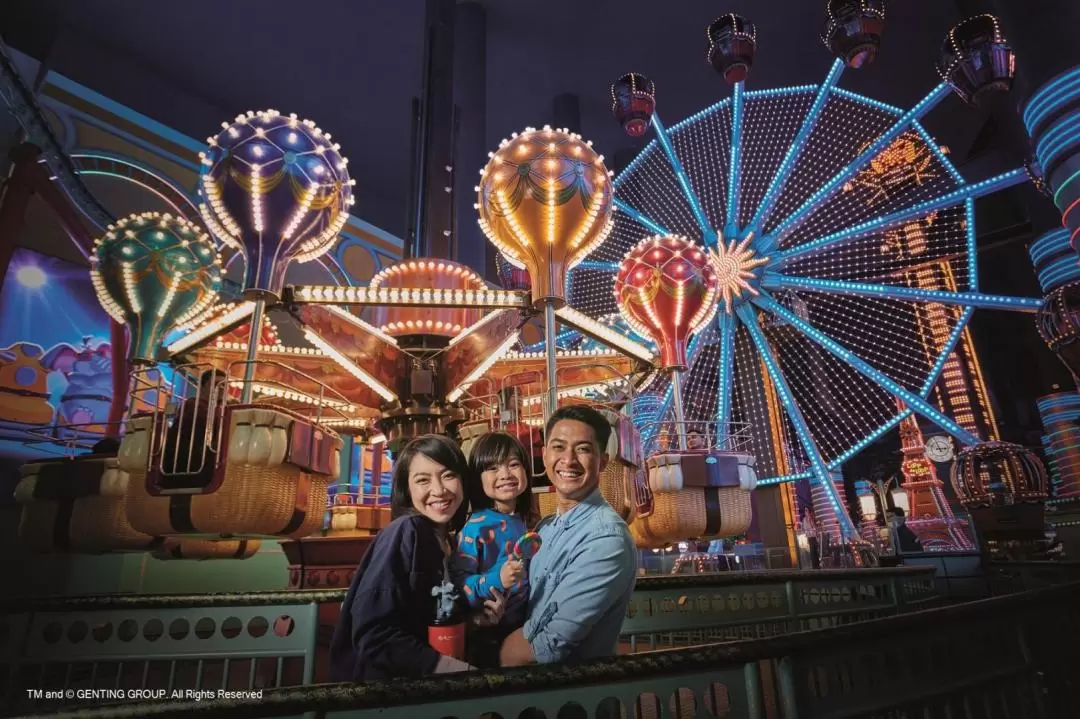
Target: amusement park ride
[{"x": 767, "y": 249}]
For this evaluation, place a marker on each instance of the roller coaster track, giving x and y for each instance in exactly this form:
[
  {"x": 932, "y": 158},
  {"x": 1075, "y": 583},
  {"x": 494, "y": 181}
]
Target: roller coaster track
[{"x": 23, "y": 106}]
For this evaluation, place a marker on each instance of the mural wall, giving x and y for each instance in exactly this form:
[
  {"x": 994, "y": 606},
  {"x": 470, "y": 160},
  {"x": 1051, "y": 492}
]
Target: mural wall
[{"x": 55, "y": 357}]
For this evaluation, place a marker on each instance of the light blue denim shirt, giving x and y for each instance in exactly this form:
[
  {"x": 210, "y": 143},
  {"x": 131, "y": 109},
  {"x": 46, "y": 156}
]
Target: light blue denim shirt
[{"x": 580, "y": 583}]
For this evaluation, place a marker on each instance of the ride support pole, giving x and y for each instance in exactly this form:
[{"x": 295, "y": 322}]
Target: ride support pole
[
  {"x": 252, "y": 350},
  {"x": 552, "y": 402},
  {"x": 676, "y": 397}
]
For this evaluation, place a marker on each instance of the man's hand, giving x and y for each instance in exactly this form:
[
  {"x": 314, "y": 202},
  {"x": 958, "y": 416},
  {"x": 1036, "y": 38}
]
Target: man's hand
[
  {"x": 494, "y": 609},
  {"x": 512, "y": 572}
]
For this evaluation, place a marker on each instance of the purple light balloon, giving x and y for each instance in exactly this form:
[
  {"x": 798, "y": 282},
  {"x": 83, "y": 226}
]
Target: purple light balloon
[{"x": 275, "y": 188}]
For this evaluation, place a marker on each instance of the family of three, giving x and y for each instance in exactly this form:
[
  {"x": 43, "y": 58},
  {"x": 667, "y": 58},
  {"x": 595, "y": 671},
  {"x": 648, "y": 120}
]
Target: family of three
[{"x": 565, "y": 604}]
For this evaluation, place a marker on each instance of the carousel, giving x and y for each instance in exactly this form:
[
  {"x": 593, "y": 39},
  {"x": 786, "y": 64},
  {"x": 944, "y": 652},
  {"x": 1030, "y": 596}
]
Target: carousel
[{"x": 238, "y": 402}]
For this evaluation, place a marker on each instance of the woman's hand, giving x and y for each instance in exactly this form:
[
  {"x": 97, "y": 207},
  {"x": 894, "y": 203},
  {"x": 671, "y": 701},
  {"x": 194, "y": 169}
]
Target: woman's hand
[
  {"x": 494, "y": 609},
  {"x": 512, "y": 572}
]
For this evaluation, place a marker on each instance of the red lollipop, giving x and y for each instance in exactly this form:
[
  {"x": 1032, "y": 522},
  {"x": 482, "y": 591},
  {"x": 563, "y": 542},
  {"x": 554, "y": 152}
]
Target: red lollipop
[{"x": 666, "y": 289}]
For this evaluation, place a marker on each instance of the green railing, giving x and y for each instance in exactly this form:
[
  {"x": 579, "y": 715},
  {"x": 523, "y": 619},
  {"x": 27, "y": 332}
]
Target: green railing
[
  {"x": 111, "y": 645},
  {"x": 1010, "y": 657}
]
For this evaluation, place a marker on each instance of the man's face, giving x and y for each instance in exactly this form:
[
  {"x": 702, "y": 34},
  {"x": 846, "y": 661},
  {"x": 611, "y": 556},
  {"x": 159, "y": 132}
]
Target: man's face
[{"x": 573, "y": 459}]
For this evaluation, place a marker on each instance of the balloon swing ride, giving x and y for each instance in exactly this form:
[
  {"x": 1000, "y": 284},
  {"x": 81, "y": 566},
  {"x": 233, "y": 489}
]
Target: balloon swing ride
[{"x": 783, "y": 243}]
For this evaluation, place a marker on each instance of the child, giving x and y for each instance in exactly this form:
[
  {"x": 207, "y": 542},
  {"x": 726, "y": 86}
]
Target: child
[
  {"x": 382, "y": 632},
  {"x": 501, "y": 503}
]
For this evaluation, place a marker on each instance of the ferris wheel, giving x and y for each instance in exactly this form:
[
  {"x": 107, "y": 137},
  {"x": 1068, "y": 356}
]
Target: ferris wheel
[{"x": 843, "y": 240}]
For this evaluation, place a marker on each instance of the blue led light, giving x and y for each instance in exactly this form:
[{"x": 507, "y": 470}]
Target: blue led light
[
  {"x": 595, "y": 265},
  {"x": 950, "y": 345},
  {"x": 638, "y": 159},
  {"x": 736, "y": 159},
  {"x": 937, "y": 152},
  {"x": 1059, "y": 137},
  {"x": 993, "y": 184},
  {"x": 857, "y": 363},
  {"x": 726, "y": 366},
  {"x": 800, "y": 215},
  {"x": 821, "y": 473},
  {"x": 970, "y": 240},
  {"x": 779, "y": 92},
  {"x": 793, "y": 152},
  {"x": 773, "y": 280},
  {"x": 639, "y": 218},
  {"x": 684, "y": 182},
  {"x": 868, "y": 101},
  {"x": 1052, "y": 96},
  {"x": 700, "y": 115}
]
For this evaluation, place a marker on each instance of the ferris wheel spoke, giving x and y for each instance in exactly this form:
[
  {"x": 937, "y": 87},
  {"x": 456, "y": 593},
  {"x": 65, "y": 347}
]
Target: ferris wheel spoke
[
  {"x": 817, "y": 463},
  {"x": 707, "y": 231},
  {"x": 774, "y": 281},
  {"x": 640, "y": 218},
  {"x": 791, "y": 157},
  {"x": 796, "y": 218},
  {"x": 732, "y": 220},
  {"x": 967, "y": 192},
  {"x": 726, "y": 368},
  {"x": 857, "y": 363}
]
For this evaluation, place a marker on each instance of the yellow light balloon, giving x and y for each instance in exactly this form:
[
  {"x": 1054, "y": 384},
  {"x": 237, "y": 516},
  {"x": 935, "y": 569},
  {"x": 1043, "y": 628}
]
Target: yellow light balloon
[{"x": 546, "y": 203}]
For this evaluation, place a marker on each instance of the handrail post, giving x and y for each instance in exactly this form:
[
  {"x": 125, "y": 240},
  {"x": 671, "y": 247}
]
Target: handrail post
[
  {"x": 754, "y": 706},
  {"x": 793, "y": 605},
  {"x": 789, "y": 699}
]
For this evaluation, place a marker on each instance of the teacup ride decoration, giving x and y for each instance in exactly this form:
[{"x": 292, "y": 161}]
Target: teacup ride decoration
[{"x": 209, "y": 468}]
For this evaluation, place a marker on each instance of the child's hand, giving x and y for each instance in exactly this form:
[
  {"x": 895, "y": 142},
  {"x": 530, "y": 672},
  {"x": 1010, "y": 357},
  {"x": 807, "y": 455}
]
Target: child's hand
[{"x": 512, "y": 572}]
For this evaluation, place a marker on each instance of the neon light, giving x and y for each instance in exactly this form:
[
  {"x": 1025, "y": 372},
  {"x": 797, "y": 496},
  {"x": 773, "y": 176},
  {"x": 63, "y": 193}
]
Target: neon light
[
  {"x": 783, "y": 392},
  {"x": 914, "y": 401},
  {"x": 707, "y": 231},
  {"x": 774, "y": 281},
  {"x": 736, "y": 160},
  {"x": 796, "y": 218},
  {"x": 640, "y": 218},
  {"x": 794, "y": 150},
  {"x": 993, "y": 184}
]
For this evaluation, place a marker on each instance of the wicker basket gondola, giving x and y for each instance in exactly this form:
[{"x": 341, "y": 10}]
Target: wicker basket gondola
[
  {"x": 696, "y": 495},
  {"x": 77, "y": 505},
  {"x": 182, "y": 548},
  {"x": 282, "y": 493}
]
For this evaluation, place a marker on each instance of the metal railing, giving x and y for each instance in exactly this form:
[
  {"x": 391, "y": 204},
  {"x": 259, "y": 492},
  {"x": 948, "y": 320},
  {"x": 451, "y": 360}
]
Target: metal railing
[
  {"x": 269, "y": 639},
  {"x": 1006, "y": 657}
]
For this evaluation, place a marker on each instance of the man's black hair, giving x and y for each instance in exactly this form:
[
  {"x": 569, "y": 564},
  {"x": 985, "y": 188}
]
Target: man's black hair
[{"x": 582, "y": 413}]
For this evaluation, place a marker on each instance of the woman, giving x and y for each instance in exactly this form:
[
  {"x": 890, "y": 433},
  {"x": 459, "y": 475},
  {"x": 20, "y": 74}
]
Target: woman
[{"x": 382, "y": 630}]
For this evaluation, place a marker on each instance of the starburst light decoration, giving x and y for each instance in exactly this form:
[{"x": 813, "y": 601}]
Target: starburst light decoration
[{"x": 737, "y": 269}]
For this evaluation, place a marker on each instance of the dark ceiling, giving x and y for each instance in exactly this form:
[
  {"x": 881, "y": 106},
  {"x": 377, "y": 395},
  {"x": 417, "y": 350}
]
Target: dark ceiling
[{"x": 354, "y": 65}]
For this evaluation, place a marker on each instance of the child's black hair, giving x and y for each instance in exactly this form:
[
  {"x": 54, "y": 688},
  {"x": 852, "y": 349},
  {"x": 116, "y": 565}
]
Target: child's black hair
[{"x": 491, "y": 450}]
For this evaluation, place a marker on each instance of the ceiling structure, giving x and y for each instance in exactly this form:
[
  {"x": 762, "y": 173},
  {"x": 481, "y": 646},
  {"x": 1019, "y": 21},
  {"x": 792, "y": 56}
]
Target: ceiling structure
[{"x": 354, "y": 66}]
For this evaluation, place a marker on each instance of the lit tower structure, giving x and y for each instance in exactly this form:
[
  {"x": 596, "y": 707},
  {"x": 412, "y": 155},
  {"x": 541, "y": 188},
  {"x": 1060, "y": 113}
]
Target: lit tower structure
[
  {"x": 929, "y": 513},
  {"x": 1055, "y": 263}
]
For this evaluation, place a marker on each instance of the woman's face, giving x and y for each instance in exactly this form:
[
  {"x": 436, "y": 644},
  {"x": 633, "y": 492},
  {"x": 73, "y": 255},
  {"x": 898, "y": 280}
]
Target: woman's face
[
  {"x": 506, "y": 481},
  {"x": 435, "y": 490}
]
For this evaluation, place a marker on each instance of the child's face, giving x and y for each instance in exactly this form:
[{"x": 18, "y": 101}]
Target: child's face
[
  {"x": 435, "y": 490},
  {"x": 506, "y": 481}
]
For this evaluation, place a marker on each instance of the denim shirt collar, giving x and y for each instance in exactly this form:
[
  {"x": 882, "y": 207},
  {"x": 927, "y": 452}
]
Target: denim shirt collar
[{"x": 582, "y": 509}]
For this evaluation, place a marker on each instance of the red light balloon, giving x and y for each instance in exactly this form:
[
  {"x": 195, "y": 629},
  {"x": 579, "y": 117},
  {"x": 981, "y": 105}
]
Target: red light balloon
[{"x": 666, "y": 289}]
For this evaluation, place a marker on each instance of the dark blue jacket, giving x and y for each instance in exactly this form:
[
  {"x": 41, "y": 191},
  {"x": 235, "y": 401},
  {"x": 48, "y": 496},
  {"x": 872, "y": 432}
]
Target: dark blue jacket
[{"x": 382, "y": 631}]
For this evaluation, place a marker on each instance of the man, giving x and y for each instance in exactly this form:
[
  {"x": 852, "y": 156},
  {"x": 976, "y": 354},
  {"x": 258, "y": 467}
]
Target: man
[{"x": 583, "y": 576}]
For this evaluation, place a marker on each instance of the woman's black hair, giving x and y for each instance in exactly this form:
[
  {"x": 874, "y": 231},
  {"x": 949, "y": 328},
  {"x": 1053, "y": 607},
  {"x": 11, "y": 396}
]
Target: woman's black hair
[
  {"x": 439, "y": 449},
  {"x": 493, "y": 449}
]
